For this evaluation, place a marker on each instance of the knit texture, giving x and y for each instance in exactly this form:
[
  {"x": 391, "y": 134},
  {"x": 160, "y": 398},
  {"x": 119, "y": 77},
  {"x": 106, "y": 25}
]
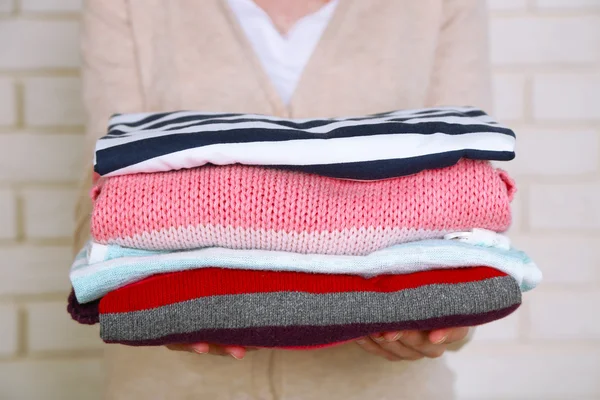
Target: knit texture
[
  {"x": 86, "y": 313},
  {"x": 241, "y": 207},
  {"x": 283, "y": 309},
  {"x": 115, "y": 266}
]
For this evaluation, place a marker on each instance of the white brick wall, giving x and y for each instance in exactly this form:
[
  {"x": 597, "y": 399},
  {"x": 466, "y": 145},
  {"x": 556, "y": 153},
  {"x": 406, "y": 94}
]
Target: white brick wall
[
  {"x": 526, "y": 371},
  {"x": 560, "y": 40},
  {"x": 7, "y": 102},
  {"x": 507, "y": 4},
  {"x": 576, "y": 150},
  {"x": 565, "y": 206},
  {"x": 573, "y": 315},
  {"x": 34, "y": 269},
  {"x": 50, "y": 329},
  {"x": 53, "y": 102},
  {"x": 49, "y": 212},
  {"x": 51, "y": 157},
  {"x": 509, "y": 96},
  {"x": 9, "y": 330},
  {"x": 68, "y": 379},
  {"x": 546, "y": 57},
  {"x": 566, "y": 4},
  {"x": 8, "y": 220},
  {"x": 567, "y": 259},
  {"x": 37, "y": 44},
  {"x": 567, "y": 96},
  {"x": 50, "y": 6},
  {"x": 6, "y": 6}
]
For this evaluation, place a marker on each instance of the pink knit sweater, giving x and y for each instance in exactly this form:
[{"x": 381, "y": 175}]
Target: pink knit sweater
[{"x": 244, "y": 207}]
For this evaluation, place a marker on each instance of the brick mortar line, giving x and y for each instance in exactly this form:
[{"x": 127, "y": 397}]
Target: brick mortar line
[
  {"x": 61, "y": 355},
  {"x": 19, "y": 97},
  {"x": 43, "y": 185},
  {"x": 587, "y": 232},
  {"x": 557, "y": 125},
  {"x": 25, "y": 299},
  {"x": 60, "y": 72},
  {"x": 46, "y": 130},
  {"x": 19, "y": 216},
  {"x": 554, "y": 288},
  {"x": 22, "y": 331},
  {"x": 33, "y": 181},
  {"x": 524, "y": 323},
  {"x": 550, "y": 68},
  {"x": 57, "y": 16},
  {"x": 528, "y": 101},
  {"x": 61, "y": 242},
  {"x": 557, "y": 179},
  {"x": 530, "y": 5},
  {"x": 556, "y": 346},
  {"x": 45, "y": 242},
  {"x": 52, "y": 129},
  {"x": 538, "y": 13},
  {"x": 523, "y": 190},
  {"x": 560, "y": 180}
]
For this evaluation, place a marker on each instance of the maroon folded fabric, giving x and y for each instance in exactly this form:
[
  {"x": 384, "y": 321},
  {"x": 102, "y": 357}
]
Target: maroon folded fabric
[{"x": 290, "y": 309}]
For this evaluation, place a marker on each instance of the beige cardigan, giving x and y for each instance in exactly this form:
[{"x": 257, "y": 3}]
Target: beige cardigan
[{"x": 375, "y": 55}]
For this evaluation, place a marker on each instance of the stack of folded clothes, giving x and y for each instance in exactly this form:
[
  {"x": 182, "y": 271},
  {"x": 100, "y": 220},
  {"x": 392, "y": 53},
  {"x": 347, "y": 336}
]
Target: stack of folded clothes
[{"x": 261, "y": 231}]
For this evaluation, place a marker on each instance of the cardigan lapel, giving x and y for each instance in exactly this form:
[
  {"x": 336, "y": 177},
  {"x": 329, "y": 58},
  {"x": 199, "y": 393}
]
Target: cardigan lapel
[
  {"x": 195, "y": 56},
  {"x": 322, "y": 48},
  {"x": 189, "y": 45},
  {"x": 325, "y": 47},
  {"x": 251, "y": 57}
]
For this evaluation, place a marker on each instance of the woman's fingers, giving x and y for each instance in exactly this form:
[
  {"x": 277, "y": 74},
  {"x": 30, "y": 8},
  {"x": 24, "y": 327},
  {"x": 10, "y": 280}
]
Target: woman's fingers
[
  {"x": 412, "y": 344},
  {"x": 370, "y": 346},
  {"x": 419, "y": 342},
  {"x": 200, "y": 348},
  {"x": 236, "y": 352},
  {"x": 448, "y": 336},
  {"x": 400, "y": 350}
]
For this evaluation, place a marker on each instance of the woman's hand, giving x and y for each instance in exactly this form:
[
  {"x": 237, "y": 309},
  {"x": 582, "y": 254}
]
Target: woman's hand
[
  {"x": 237, "y": 352},
  {"x": 412, "y": 345}
]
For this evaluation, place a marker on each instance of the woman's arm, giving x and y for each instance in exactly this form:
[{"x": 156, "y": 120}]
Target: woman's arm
[{"x": 111, "y": 83}]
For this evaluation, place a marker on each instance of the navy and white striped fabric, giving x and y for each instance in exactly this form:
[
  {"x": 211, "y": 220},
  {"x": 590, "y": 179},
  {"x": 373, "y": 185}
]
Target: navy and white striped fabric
[{"x": 377, "y": 146}]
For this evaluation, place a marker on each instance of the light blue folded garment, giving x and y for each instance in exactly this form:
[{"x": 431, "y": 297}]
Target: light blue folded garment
[{"x": 99, "y": 269}]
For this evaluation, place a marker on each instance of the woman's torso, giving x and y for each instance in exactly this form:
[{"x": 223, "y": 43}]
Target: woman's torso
[{"x": 373, "y": 56}]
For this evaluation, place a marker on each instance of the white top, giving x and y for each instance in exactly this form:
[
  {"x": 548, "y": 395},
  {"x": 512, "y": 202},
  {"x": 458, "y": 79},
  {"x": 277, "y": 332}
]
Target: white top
[{"x": 282, "y": 57}]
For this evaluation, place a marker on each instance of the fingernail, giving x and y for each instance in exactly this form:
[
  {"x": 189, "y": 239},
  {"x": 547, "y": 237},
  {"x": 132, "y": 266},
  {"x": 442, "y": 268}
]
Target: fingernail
[
  {"x": 440, "y": 340},
  {"x": 200, "y": 348},
  {"x": 378, "y": 338},
  {"x": 361, "y": 341},
  {"x": 238, "y": 354},
  {"x": 396, "y": 337}
]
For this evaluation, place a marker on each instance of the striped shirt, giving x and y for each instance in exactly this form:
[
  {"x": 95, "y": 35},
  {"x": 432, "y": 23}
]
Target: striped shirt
[{"x": 377, "y": 146}]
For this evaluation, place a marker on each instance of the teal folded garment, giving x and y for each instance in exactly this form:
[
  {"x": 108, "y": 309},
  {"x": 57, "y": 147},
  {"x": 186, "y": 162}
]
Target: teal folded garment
[{"x": 99, "y": 269}]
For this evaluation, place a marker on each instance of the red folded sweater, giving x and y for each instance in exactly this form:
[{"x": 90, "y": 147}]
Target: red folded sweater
[{"x": 289, "y": 309}]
